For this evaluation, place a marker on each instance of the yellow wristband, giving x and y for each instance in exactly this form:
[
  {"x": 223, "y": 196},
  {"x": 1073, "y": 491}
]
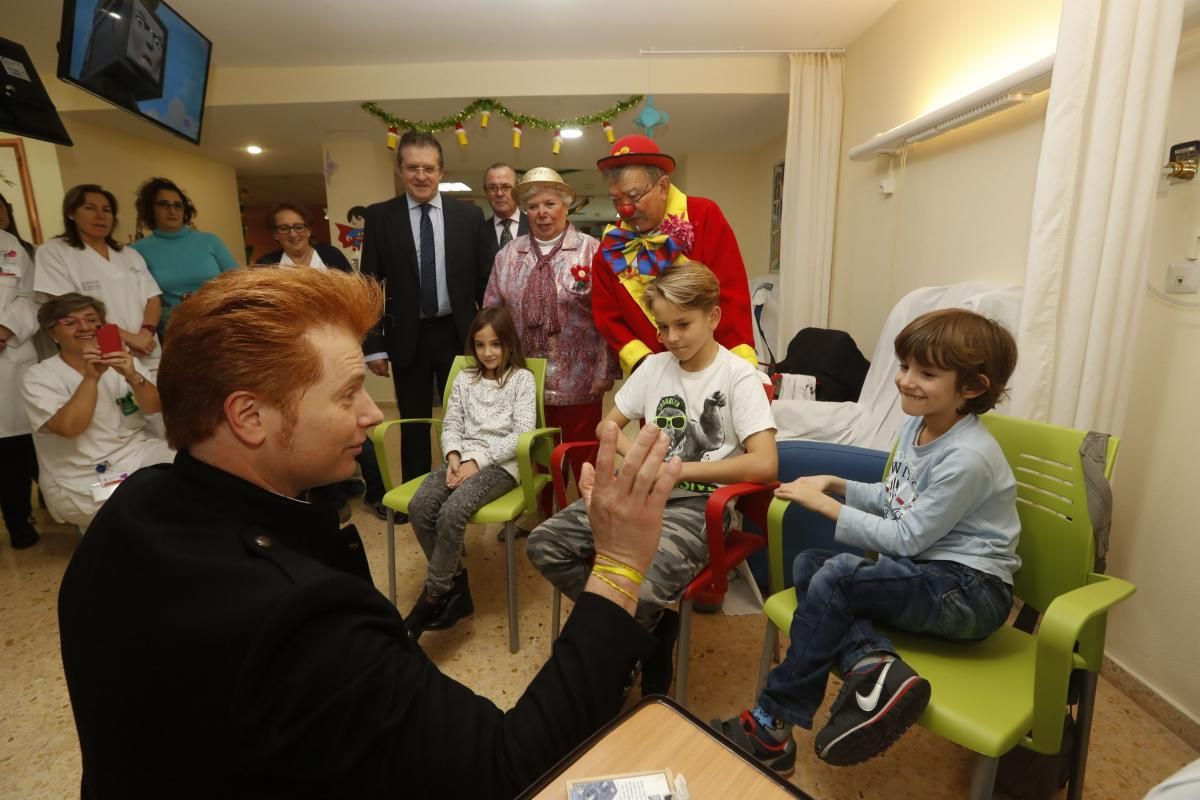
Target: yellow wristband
[
  {"x": 615, "y": 586},
  {"x": 614, "y": 562},
  {"x": 625, "y": 572}
]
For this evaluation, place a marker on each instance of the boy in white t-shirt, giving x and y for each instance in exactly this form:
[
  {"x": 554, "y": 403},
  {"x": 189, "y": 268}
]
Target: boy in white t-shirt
[{"x": 712, "y": 406}]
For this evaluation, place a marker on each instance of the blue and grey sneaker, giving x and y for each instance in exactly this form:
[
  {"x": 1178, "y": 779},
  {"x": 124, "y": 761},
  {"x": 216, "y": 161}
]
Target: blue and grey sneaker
[
  {"x": 873, "y": 710},
  {"x": 746, "y": 732}
]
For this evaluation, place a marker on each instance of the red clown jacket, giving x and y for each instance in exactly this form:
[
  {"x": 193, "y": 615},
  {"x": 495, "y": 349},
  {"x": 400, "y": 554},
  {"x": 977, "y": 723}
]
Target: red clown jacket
[{"x": 618, "y": 279}]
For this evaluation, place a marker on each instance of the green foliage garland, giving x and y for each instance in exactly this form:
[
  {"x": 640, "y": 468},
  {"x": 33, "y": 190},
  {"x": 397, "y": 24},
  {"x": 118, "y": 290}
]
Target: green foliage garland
[{"x": 498, "y": 108}]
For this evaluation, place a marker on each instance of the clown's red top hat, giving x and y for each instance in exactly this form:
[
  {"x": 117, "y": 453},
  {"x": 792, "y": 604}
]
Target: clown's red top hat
[{"x": 636, "y": 149}]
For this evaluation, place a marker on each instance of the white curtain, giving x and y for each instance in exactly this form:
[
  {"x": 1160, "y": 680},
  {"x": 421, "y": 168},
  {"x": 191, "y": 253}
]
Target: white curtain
[
  {"x": 814, "y": 141},
  {"x": 1096, "y": 181}
]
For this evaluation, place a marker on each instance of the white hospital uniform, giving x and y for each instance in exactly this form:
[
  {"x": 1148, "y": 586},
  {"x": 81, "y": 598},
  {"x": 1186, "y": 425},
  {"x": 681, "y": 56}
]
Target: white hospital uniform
[
  {"x": 18, "y": 313},
  {"x": 118, "y": 442},
  {"x": 122, "y": 282}
]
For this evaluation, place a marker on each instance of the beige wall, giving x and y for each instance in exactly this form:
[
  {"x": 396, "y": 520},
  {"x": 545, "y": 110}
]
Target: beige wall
[
  {"x": 740, "y": 183},
  {"x": 42, "y": 161},
  {"x": 120, "y": 163},
  {"x": 1154, "y": 532},
  {"x": 961, "y": 210}
]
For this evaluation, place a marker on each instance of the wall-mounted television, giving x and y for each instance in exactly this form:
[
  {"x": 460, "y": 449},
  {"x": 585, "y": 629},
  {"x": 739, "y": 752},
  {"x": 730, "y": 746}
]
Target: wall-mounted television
[{"x": 139, "y": 55}]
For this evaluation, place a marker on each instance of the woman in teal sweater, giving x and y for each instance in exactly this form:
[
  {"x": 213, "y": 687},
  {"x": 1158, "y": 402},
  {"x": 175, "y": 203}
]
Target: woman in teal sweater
[{"x": 180, "y": 257}]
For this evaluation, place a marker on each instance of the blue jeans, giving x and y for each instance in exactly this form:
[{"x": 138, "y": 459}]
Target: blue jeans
[{"x": 842, "y": 596}]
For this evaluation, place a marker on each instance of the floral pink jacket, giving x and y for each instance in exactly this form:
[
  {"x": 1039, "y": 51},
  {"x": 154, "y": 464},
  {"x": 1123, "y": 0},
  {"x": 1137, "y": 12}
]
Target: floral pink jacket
[{"x": 582, "y": 367}]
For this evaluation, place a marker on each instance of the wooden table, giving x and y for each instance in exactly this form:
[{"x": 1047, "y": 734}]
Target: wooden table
[{"x": 657, "y": 734}]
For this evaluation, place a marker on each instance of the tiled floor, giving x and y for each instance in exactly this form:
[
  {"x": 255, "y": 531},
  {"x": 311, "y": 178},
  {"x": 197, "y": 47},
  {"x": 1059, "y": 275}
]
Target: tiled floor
[{"x": 39, "y": 756}]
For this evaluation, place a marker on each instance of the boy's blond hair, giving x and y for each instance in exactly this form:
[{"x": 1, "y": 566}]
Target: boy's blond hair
[
  {"x": 689, "y": 285},
  {"x": 967, "y": 343}
]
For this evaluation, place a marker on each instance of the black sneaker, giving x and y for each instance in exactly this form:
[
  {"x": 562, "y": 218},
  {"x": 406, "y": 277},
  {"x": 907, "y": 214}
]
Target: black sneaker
[
  {"x": 873, "y": 710},
  {"x": 748, "y": 734}
]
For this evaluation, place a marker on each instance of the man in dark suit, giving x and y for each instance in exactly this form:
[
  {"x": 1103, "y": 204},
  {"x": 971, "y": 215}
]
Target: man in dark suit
[
  {"x": 508, "y": 222},
  {"x": 434, "y": 256}
]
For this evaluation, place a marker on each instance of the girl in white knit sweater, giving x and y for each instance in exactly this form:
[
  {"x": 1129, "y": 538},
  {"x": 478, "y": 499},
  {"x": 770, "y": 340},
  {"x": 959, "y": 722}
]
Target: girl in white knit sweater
[{"x": 491, "y": 404}]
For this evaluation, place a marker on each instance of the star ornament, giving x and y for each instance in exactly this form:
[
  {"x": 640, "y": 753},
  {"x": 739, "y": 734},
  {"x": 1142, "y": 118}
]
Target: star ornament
[{"x": 650, "y": 117}]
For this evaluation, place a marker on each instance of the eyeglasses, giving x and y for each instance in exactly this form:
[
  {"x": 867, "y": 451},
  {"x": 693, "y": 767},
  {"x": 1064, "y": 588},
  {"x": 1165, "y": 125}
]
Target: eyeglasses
[
  {"x": 678, "y": 422},
  {"x": 174, "y": 205},
  {"x": 414, "y": 169},
  {"x": 71, "y": 323},
  {"x": 633, "y": 198},
  {"x": 284, "y": 230},
  {"x": 498, "y": 188}
]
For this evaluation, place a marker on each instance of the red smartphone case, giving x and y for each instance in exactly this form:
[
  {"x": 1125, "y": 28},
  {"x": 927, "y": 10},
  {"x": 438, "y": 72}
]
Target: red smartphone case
[{"x": 108, "y": 339}]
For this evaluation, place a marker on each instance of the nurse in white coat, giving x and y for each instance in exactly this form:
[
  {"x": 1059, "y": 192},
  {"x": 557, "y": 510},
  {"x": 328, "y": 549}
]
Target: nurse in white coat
[
  {"x": 88, "y": 260},
  {"x": 87, "y": 411},
  {"x": 18, "y": 324}
]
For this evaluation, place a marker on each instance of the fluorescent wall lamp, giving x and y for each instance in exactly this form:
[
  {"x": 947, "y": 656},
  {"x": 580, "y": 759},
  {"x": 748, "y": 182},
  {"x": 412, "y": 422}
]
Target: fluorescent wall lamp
[
  {"x": 453, "y": 186},
  {"x": 1005, "y": 93}
]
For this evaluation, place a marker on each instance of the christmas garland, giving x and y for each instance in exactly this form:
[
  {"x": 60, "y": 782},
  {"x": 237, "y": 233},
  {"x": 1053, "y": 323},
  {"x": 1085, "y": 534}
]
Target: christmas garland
[{"x": 485, "y": 106}]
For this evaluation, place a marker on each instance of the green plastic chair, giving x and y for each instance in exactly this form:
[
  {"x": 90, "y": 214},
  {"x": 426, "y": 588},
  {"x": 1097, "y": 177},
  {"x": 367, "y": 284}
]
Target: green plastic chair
[
  {"x": 533, "y": 447},
  {"x": 1012, "y": 688}
]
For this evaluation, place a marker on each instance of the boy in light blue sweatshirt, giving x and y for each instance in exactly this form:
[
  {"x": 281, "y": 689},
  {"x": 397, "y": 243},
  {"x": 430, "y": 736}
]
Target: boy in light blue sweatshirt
[{"x": 945, "y": 525}]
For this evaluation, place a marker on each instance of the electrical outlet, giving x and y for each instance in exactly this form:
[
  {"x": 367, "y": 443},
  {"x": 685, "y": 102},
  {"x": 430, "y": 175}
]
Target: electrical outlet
[{"x": 1183, "y": 278}]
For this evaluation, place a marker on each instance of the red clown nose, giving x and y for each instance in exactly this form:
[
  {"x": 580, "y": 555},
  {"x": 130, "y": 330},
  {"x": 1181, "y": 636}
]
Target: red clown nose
[{"x": 626, "y": 210}]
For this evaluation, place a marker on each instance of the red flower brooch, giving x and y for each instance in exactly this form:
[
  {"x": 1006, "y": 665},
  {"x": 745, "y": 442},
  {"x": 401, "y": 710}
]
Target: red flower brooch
[
  {"x": 582, "y": 275},
  {"x": 681, "y": 231}
]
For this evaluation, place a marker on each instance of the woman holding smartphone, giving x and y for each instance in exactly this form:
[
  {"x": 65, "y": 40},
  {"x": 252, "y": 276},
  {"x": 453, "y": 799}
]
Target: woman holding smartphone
[
  {"x": 87, "y": 407},
  {"x": 88, "y": 260}
]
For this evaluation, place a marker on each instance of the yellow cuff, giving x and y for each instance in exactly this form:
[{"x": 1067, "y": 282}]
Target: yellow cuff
[
  {"x": 633, "y": 352},
  {"x": 747, "y": 352}
]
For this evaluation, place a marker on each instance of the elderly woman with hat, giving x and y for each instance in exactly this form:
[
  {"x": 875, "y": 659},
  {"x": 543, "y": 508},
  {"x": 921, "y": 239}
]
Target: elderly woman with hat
[
  {"x": 659, "y": 226},
  {"x": 545, "y": 279}
]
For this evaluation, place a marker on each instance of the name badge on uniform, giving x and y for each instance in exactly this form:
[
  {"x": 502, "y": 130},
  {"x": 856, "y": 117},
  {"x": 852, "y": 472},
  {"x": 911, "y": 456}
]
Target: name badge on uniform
[{"x": 102, "y": 490}]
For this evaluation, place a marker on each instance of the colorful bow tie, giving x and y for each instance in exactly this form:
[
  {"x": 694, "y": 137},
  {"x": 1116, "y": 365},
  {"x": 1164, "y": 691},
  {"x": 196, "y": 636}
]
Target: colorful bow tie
[{"x": 625, "y": 250}]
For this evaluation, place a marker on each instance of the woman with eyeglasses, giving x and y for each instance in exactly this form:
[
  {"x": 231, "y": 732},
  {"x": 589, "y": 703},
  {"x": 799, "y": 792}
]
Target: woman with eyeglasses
[
  {"x": 86, "y": 259},
  {"x": 180, "y": 257},
  {"x": 88, "y": 411},
  {"x": 290, "y": 227}
]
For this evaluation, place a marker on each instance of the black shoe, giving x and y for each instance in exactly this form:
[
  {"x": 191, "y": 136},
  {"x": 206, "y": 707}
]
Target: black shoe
[
  {"x": 873, "y": 710},
  {"x": 521, "y": 533},
  {"x": 659, "y": 667},
  {"x": 424, "y": 610},
  {"x": 747, "y": 734},
  {"x": 355, "y": 486},
  {"x": 397, "y": 517},
  {"x": 23, "y": 535},
  {"x": 379, "y": 509},
  {"x": 455, "y": 605}
]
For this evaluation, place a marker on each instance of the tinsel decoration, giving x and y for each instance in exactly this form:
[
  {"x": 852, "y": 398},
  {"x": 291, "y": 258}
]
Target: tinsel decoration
[
  {"x": 393, "y": 137},
  {"x": 461, "y": 133},
  {"x": 608, "y": 132},
  {"x": 557, "y": 142},
  {"x": 516, "y": 136},
  {"x": 489, "y": 105}
]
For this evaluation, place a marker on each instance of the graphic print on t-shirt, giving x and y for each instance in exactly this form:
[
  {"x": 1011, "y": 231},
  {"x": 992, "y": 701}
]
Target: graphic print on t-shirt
[
  {"x": 901, "y": 491},
  {"x": 689, "y": 439}
]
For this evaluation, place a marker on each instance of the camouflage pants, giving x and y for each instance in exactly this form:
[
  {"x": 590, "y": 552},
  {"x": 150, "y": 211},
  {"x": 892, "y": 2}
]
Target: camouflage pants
[{"x": 561, "y": 548}]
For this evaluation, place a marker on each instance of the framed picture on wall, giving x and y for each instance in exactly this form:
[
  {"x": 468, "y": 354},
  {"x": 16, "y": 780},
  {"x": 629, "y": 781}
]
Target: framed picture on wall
[
  {"x": 776, "y": 216},
  {"x": 17, "y": 189}
]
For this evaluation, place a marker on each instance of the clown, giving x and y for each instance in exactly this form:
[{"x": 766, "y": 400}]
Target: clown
[{"x": 660, "y": 225}]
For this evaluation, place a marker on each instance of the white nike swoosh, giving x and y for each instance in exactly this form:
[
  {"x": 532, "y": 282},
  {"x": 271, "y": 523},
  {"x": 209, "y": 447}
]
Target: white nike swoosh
[{"x": 871, "y": 700}]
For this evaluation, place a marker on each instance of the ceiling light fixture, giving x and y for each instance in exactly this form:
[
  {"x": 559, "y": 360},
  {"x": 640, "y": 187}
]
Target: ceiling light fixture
[
  {"x": 453, "y": 186},
  {"x": 253, "y": 149},
  {"x": 571, "y": 133},
  {"x": 1007, "y": 92}
]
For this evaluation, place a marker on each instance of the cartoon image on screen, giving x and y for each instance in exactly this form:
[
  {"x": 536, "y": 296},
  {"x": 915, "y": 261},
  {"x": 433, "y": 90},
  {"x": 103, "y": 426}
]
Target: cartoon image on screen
[
  {"x": 140, "y": 55},
  {"x": 124, "y": 57}
]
